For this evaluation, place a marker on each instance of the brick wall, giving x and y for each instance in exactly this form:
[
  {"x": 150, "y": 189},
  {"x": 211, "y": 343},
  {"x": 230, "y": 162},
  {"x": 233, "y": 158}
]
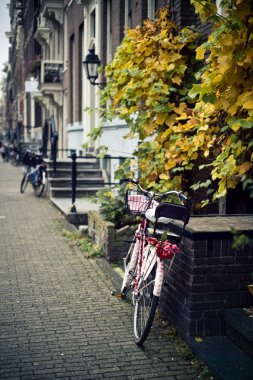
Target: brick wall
[
  {"x": 75, "y": 22},
  {"x": 208, "y": 276},
  {"x": 118, "y": 14},
  {"x": 111, "y": 240},
  {"x": 139, "y": 12}
]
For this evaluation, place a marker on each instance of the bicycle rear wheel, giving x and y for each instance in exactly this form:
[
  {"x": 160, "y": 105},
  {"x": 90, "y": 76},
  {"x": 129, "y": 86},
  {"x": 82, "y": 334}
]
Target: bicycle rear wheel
[
  {"x": 40, "y": 184},
  {"x": 145, "y": 308},
  {"x": 24, "y": 182}
]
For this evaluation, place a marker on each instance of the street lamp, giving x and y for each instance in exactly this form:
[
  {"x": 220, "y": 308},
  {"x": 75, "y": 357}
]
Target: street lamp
[{"x": 91, "y": 65}]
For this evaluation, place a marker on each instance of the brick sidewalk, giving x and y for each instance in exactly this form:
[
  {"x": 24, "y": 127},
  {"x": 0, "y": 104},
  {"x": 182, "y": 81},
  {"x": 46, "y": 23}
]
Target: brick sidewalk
[{"x": 57, "y": 317}]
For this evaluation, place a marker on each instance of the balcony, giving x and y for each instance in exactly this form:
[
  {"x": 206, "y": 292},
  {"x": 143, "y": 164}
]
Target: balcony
[
  {"x": 42, "y": 33},
  {"x": 52, "y": 9},
  {"x": 51, "y": 80}
]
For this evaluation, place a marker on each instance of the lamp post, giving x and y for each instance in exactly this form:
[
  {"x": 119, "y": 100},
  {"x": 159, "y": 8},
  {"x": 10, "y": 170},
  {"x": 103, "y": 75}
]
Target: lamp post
[{"x": 91, "y": 65}]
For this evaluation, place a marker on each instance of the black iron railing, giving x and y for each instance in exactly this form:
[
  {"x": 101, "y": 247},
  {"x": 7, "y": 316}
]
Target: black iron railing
[
  {"x": 50, "y": 134},
  {"x": 74, "y": 157}
]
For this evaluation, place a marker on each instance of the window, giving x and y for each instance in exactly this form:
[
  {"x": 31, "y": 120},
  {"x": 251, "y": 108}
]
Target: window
[
  {"x": 72, "y": 77},
  {"x": 128, "y": 13},
  {"x": 109, "y": 31},
  {"x": 93, "y": 24},
  {"x": 152, "y": 8},
  {"x": 80, "y": 71}
]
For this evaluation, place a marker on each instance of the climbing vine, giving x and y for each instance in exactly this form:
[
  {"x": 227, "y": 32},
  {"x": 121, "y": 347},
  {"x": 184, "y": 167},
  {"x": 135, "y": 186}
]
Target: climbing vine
[
  {"x": 184, "y": 115},
  {"x": 224, "y": 108},
  {"x": 148, "y": 83}
]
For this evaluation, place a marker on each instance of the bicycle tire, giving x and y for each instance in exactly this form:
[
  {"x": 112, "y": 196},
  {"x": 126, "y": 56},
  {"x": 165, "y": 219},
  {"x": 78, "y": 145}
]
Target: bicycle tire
[
  {"x": 145, "y": 308},
  {"x": 24, "y": 183},
  {"x": 40, "y": 186}
]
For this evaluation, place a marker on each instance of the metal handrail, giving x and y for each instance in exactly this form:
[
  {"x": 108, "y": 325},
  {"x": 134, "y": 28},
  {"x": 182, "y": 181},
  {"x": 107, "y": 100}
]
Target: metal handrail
[{"x": 74, "y": 157}]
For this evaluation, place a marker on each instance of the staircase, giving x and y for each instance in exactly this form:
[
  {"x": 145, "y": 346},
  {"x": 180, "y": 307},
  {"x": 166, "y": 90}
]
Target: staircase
[
  {"x": 239, "y": 328},
  {"x": 89, "y": 178},
  {"x": 229, "y": 357}
]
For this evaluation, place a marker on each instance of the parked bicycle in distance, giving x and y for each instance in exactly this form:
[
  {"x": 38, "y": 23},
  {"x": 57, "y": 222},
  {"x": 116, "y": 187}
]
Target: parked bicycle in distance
[
  {"x": 35, "y": 173},
  {"x": 15, "y": 155},
  {"x": 163, "y": 221}
]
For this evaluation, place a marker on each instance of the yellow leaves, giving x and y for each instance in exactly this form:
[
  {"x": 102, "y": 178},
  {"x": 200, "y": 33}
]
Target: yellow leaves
[
  {"x": 183, "y": 116},
  {"x": 176, "y": 79},
  {"x": 171, "y": 67},
  {"x": 246, "y": 97},
  {"x": 204, "y": 9},
  {"x": 193, "y": 156},
  {"x": 236, "y": 126},
  {"x": 224, "y": 64},
  {"x": 200, "y": 52},
  {"x": 231, "y": 182},
  {"x": 217, "y": 79},
  {"x": 148, "y": 128},
  {"x": 161, "y": 118},
  {"x": 169, "y": 165},
  {"x": 193, "y": 121},
  {"x": 248, "y": 105},
  {"x": 164, "y": 176},
  {"x": 148, "y": 80},
  {"x": 180, "y": 109},
  {"x": 244, "y": 168},
  {"x": 244, "y": 100},
  {"x": 199, "y": 139},
  {"x": 228, "y": 41}
]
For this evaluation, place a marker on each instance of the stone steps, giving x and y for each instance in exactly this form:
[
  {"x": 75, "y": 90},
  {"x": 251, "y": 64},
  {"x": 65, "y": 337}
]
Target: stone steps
[
  {"x": 239, "y": 328},
  {"x": 225, "y": 360},
  {"x": 89, "y": 178},
  {"x": 66, "y": 192},
  {"x": 81, "y": 173},
  {"x": 80, "y": 182}
]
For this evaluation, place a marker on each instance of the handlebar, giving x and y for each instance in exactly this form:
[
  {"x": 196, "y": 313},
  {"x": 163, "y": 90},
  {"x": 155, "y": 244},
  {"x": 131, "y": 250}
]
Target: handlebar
[
  {"x": 179, "y": 194},
  {"x": 128, "y": 180}
]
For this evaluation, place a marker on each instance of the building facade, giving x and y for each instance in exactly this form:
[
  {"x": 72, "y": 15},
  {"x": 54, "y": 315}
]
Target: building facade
[{"x": 49, "y": 40}]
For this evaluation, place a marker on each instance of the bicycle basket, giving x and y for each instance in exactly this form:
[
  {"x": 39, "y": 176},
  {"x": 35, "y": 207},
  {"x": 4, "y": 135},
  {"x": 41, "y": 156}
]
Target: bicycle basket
[
  {"x": 30, "y": 159},
  {"x": 137, "y": 203}
]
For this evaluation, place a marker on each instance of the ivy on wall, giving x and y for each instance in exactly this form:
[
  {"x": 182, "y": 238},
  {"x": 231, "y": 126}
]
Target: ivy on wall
[{"x": 181, "y": 114}]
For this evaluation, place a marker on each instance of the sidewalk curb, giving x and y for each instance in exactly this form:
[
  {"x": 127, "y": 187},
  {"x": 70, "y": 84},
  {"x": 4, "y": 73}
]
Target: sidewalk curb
[{"x": 114, "y": 276}]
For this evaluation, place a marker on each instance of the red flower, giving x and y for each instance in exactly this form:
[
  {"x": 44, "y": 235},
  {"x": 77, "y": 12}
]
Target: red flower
[
  {"x": 166, "y": 250},
  {"x": 152, "y": 241}
]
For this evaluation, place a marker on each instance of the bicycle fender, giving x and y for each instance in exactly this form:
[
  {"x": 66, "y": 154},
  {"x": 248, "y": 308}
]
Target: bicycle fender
[
  {"x": 149, "y": 262},
  {"x": 128, "y": 278},
  {"x": 43, "y": 177},
  {"x": 159, "y": 277}
]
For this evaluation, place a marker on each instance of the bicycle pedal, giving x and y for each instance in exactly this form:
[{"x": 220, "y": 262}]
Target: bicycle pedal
[{"x": 118, "y": 295}]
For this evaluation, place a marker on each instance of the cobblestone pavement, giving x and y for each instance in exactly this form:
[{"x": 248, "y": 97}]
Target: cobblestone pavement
[{"x": 57, "y": 317}]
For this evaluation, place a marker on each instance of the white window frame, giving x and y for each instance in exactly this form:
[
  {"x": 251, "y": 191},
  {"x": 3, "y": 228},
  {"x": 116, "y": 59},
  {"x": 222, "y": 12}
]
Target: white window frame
[{"x": 151, "y": 9}]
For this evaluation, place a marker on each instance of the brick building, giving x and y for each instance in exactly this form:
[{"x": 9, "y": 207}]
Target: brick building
[{"x": 50, "y": 39}]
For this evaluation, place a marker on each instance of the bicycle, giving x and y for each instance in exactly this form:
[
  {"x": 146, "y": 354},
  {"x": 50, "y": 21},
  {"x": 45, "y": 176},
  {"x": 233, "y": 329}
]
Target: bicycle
[
  {"x": 158, "y": 233},
  {"x": 35, "y": 172},
  {"x": 15, "y": 155}
]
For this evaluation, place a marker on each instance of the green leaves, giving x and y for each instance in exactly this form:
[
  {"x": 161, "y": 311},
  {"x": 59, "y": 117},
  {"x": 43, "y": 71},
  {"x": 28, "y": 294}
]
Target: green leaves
[{"x": 183, "y": 117}]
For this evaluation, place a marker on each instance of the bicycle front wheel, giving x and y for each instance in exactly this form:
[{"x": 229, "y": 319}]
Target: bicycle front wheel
[
  {"x": 145, "y": 308},
  {"x": 24, "y": 183}
]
